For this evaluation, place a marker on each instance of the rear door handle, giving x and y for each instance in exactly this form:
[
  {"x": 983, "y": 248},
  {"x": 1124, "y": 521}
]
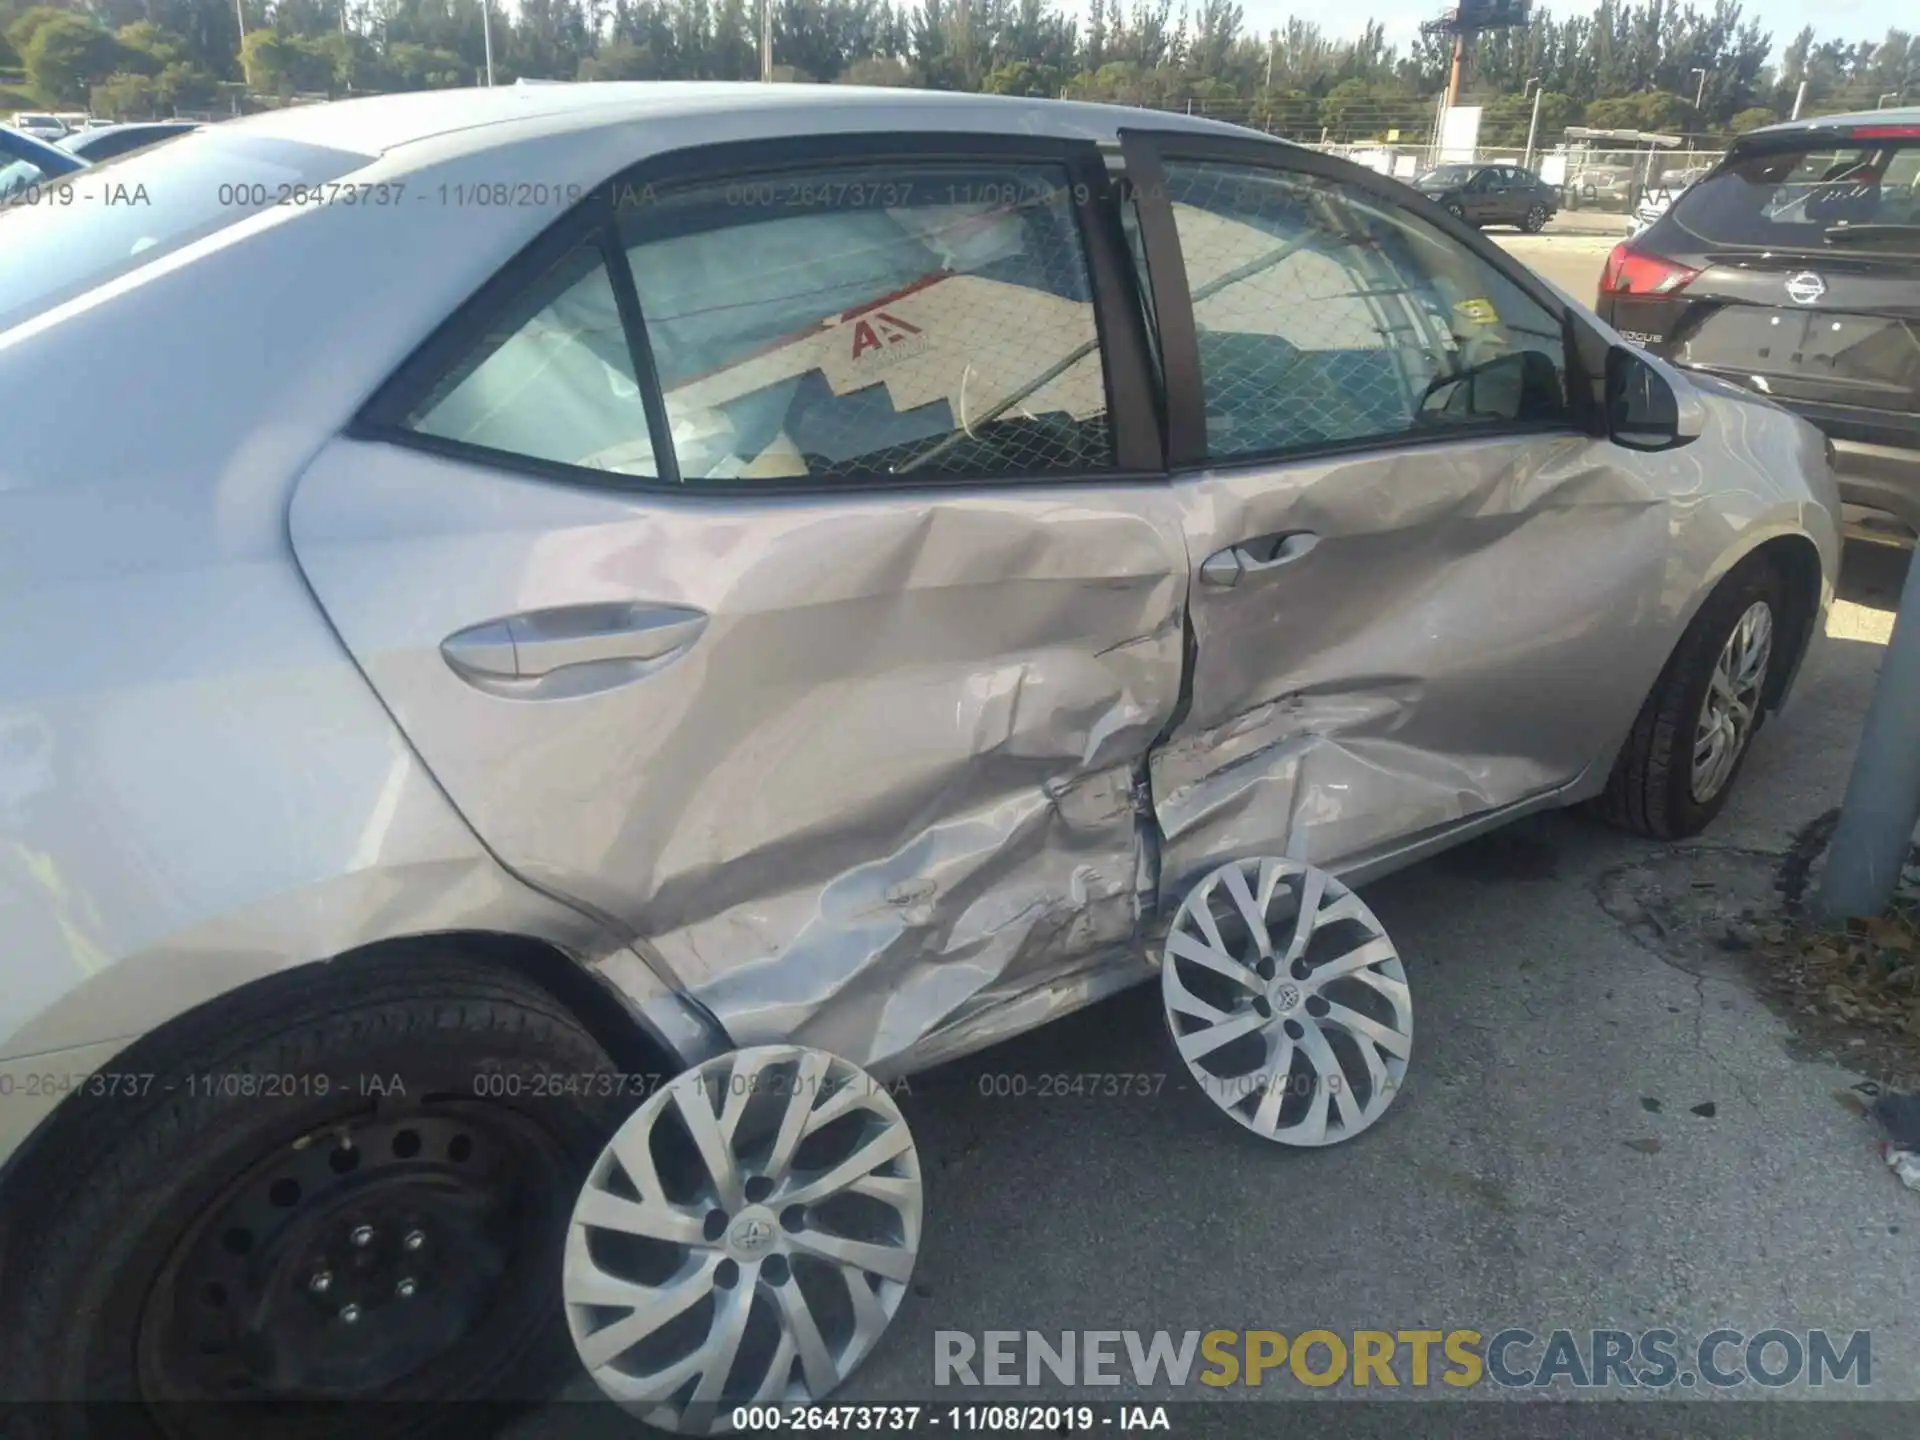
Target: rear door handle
[
  {"x": 540, "y": 643},
  {"x": 1256, "y": 557}
]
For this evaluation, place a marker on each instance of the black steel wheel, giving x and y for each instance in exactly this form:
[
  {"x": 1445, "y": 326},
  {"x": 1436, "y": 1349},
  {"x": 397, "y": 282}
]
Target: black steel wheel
[
  {"x": 343, "y": 1198},
  {"x": 372, "y": 1257}
]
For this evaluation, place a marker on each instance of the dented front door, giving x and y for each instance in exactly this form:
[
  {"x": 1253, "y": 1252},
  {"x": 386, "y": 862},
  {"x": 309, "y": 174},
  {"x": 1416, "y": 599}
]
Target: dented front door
[{"x": 1409, "y": 596}]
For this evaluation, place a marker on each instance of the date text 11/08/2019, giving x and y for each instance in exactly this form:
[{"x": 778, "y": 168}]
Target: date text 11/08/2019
[{"x": 902, "y": 1419}]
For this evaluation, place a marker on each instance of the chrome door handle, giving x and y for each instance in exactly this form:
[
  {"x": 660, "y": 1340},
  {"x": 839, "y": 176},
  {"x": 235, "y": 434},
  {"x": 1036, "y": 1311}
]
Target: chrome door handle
[
  {"x": 538, "y": 643},
  {"x": 1256, "y": 557}
]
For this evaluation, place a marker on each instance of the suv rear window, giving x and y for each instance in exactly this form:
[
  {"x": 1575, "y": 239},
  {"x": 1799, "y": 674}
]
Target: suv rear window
[
  {"x": 70, "y": 233},
  {"x": 1806, "y": 196}
]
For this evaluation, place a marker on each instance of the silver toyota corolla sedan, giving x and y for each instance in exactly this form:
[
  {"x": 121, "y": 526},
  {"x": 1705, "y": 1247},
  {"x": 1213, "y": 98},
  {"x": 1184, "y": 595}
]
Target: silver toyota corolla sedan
[{"x": 550, "y": 590}]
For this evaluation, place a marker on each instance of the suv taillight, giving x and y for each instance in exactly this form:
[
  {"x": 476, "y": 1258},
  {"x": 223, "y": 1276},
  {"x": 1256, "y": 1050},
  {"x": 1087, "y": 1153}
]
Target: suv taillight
[{"x": 1635, "y": 272}]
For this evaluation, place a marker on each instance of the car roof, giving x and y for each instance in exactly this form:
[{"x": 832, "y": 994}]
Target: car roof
[
  {"x": 1901, "y": 115},
  {"x": 374, "y": 125},
  {"x": 92, "y": 133}
]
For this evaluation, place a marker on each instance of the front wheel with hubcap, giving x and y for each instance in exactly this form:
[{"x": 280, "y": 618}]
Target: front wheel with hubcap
[
  {"x": 348, "y": 1186},
  {"x": 744, "y": 1239},
  {"x": 1535, "y": 220},
  {"x": 1696, "y": 728}
]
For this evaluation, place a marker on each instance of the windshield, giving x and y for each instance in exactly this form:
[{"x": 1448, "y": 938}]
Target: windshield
[
  {"x": 81, "y": 230},
  {"x": 1447, "y": 175},
  {"x": 1809, "y": 196}
]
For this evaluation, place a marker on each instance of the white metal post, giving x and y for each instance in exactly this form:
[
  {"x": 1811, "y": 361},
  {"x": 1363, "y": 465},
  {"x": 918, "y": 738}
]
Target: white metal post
[
  {"x": 486, "y": 35},
  {"x": 1533, "y": 125},
  {"x": 1799, "y": 99},
  {"x": 766, "y": 42}
]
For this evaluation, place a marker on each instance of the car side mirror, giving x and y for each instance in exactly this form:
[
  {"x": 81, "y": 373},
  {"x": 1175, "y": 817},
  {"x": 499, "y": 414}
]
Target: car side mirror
[{"x": 1646, "y": 408}]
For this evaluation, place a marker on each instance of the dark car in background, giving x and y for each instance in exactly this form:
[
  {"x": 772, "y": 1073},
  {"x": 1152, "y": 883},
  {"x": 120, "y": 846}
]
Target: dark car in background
[
  {"x": 1793, "y": 268},
  {"x": 1491, "y": 195},
  {"x": 103, "y": 142}
]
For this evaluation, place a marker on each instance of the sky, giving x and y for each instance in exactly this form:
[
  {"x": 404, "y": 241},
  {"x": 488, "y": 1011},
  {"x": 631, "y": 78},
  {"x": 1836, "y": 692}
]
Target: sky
[{"x": 1831, "y": 19}]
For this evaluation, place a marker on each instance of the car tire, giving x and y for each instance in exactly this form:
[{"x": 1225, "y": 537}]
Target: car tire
[
  {"x": 195, "y": 1235},
  {"x": 1655, "y": 788},
  {"x": 1457, "y": 211},
  {"x": 1535, "y": 220}
]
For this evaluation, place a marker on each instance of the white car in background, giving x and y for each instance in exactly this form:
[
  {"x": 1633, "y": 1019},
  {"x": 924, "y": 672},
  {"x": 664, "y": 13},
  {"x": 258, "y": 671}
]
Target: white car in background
[{"x": 39, "y": 124}]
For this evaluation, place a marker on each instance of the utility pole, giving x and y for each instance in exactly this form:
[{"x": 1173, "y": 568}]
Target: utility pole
[
  {"x": 1799, "y": 99},
  {"x": 1533, "y": 125},
  {"x": 486, "y": 36},
  {"x": 1458, "y": 71},
  {"x": 766, "y": 42},
  {"x": 1883, "y": 794}
]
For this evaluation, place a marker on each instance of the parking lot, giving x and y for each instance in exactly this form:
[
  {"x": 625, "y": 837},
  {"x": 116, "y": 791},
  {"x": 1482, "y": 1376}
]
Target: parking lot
[{"x": 1603, "y": 1126}]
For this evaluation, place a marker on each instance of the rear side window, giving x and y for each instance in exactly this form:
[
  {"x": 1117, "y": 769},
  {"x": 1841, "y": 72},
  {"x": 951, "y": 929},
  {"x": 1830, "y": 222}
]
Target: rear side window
[
  {"x": 896, "y": 319},
  {"x": 552, "y": 379},
  {"x": 1808, "y": 197},
  {"x": 69, "y": 234}
]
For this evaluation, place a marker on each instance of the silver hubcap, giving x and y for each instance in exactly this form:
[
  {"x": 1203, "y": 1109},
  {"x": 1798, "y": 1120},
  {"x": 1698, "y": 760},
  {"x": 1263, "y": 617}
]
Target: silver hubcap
[
  {"x": 1287, "y": 1001},
  {"x": 1732, "y": 701},
  {"x": 745, "y": 1237}
]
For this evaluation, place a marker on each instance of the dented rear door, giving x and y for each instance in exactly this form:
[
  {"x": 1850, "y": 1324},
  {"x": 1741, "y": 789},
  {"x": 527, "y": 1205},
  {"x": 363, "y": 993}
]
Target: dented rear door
[
  {"x": 1416, "y": 575},
  {"x": 837, "y": 703}
]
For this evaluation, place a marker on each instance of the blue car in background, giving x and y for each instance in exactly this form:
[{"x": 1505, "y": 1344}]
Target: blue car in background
[{"x": 26, "y": 162}]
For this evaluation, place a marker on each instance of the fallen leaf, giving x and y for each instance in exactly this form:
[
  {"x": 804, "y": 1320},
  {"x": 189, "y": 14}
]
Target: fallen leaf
[
  {"x": 1648, "y": 1145},
  {"x": 1706, "y": 1110},
  {"x": 1649, "y": 1104}
]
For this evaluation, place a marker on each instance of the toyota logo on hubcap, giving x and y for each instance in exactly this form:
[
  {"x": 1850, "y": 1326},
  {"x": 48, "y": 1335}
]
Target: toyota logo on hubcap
[
  {"x": 1806, "y": 287},
  {"x": 752, "y": 1235}
]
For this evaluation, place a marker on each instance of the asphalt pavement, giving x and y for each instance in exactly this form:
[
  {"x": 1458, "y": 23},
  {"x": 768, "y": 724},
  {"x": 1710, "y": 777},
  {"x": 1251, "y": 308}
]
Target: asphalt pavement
[{"x": 1603, "y": 1126}]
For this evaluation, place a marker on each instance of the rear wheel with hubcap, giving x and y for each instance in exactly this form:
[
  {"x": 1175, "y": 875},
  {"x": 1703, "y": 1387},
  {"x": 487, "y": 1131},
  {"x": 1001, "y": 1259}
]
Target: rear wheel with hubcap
[{"x": 1535, "y": 220}]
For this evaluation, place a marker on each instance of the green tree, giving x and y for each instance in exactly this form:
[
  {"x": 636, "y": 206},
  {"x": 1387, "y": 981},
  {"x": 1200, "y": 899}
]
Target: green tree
[
  {"x": 1020, "y": 77},
  {"x": 20, "y": 28},
  {"x": 1751, "y": 119},
  {"x": 623, "y": 60},
  {"x": 126, "y": 95},
  {"x": 878, "y": 70},
  {"x": 1652, "y": 110},
  {"x": 66, "y": 56}
]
